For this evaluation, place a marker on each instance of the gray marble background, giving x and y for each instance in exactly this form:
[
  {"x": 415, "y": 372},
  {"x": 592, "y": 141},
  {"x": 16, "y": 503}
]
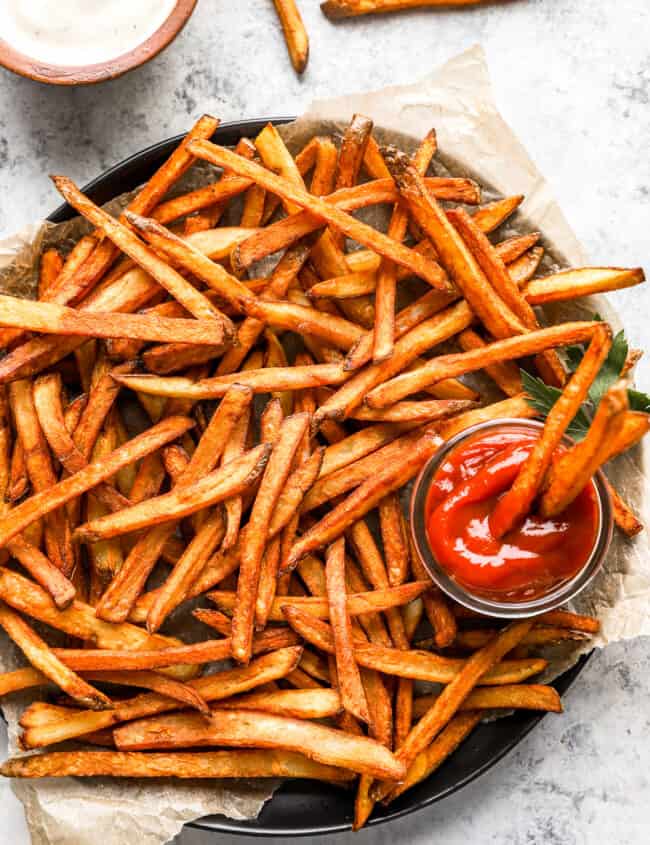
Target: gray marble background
[{"x": 573, "y": 79}]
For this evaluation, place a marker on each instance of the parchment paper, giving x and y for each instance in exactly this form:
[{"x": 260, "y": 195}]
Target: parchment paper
[{"x": 475, "y": 141}]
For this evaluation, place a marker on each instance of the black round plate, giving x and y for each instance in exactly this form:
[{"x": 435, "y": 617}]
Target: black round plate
[{"x": 308, "y": 808}]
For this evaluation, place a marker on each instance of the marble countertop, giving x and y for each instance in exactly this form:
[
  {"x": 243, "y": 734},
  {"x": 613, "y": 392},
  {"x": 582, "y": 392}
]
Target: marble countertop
[{"x": 573, "y": 80}]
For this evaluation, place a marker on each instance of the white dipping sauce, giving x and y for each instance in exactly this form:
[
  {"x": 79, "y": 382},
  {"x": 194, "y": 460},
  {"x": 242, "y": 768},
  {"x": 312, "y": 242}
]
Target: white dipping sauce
[{"x": 80, "y": 32}]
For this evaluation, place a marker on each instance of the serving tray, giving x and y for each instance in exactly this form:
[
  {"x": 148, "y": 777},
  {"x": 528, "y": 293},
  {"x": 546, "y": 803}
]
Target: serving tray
[{"x": 302, "y": 807}]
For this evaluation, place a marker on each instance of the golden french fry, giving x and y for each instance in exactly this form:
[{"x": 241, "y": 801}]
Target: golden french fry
[
  {"x": 491, "y": 216},
  {"x": 393, "y": 539},
  {"x": 50, "y": 266},
  {"x": 422, "y": 411},
  {"x": 294, "y": 491},
  {"x": 335, "y": 9},
  {"x": 249, "y": 728},
  {"x": 446, "y": 366},
  {"x": 43, "y": 571},
  {"x": 504, "y": 373},
  {"x": 206, "y": 764},
  {"x": 585, "y": 281},
  {"x": 299, "y": 703},
  {"x": 351, "y": 691},
  {"x": 508, "y": 696},
  {"x": 295, "y": 33},
  {"x": 183, "y": 500},
  {"x": 358, "y": 603},
  {"x": 516, "y": 502}
]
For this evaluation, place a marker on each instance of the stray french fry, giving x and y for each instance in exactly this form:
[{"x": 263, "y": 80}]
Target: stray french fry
[
  {"x": 335, "y": 9},
  {"x": 294, "y": 33}
]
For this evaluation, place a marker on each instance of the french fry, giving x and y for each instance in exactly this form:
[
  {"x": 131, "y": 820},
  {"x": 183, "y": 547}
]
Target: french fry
[
  {"x": 473, "y": 639},
  {"x": 548, "y": 363},
  {"x": 524, "y": 268},
  {"x": 624, "y": 516},
  {"x": 585, "y": 281},
  {"x": 184, "y": 500},
  {"x": 234, "y": 507},
  {"x": 248, "y": 728},
  {"x": 349, "y": 684},
  {"x": 465, "y": 272},
  {"x": 509, "y": 696},
  {"x": 415, "y": 412},
  {"x": 384, "y": 329},
  {"x": 44, "y": 660},
  {"x": 516, "y": 502},
  {"x": 294, "y": 491},
  {"x": 299, "y": 704},
  {"x": 435, "y": 604},
  {"x": 571, "y": 472},
  {"x": 48, "y": 318},
  {"x": 186, "y": 570},
  {"x": 489, "y": 217},
  {"x": 446, "y": 366},
  {"x": 505, "y": 374},
  {"x": 374, "y": 601},
  {"x": 211, "y": 764},
  {"x": 335, "y": 331},
  {"x": 417, "y": 665},
  {"x": 50, "y": 266},
  {"x": 393, "y": 539},
  {"x": 75, "y": 485},
  {"x": 295, "y": 33},
  {"x": 335, "y": 9},
  {"x": 273, "y": 480},
  {"x": 222, "y": 685},
  {"x": 452, "y": 697},
  {"x": 325, "y": 210},
  {"x": 43, "y": 571},
  {"x": 267, "y": 380},
  {"x": 38, "y": 463},
  {"x": 447, "y": 741}
]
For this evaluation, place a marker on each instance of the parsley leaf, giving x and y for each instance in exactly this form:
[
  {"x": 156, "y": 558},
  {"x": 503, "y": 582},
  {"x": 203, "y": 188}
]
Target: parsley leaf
[
  {"x": 542, "y": 397},
  {"x": 638, "y": 401}
]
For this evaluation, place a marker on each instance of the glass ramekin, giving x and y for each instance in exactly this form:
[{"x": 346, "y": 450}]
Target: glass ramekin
[{"x": 516, "y": 609}]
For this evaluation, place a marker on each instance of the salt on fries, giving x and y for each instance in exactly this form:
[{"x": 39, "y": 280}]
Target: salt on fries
[{"x": 318, "y": 614}]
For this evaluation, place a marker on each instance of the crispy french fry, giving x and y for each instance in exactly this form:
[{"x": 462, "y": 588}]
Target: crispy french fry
[
  {"x": 524, "y": 268},
  {"x": 50, "y": 266},
  {"x": 358, "y": 603},
  {"x": 49, "y": 500},
  {"x": 384, "y": 330},
  {"x": 414, "y": 412},
  {"x": 294, "y": 491},
  {"x": 40, "y": 469},
  {"x": 184, "y": 500},
  {"x": 516, "y": 502},
  {"x": 249, "y": 728},
  {"x": 491, "y": 216},
  {"x": 624, "y": 516},
  {"x": 473, "y": 639},
  {"x": 571, "y": 472},
  {"x": 417, "y": 665},
  {"x": 436, "y": 606},
  {"x": 44, "y": 659},
  {"x": 211, "y": 764},
  {"x": 445, "y": 366},
  {"x": 585, "y": 281},
  {"x": 335, "y": 9},
  {"x": 393, "y": 539},
  {"x": 43, "y": 571},
  {"x": 295, "y": 33},
  {"x": 350, "y": 688},
  {"x": 325, "y": 210},
  {"x": 508, "y": 696},
  {"x": 299, "y": 704},
  {"x": 447, "y": 741},
  {"x": 548, "y": 363},
  {"x": 504, "y": 373},
  {"x": 49, "y": 318}
]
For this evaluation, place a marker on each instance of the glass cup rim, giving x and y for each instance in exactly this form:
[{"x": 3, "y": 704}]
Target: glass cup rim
[{"x": 489, "y": 607}]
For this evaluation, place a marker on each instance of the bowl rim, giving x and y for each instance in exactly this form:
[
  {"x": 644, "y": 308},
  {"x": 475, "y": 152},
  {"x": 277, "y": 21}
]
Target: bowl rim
[
  {"x": 561, "y": 594},
  {"x": 91, "y": 74}
]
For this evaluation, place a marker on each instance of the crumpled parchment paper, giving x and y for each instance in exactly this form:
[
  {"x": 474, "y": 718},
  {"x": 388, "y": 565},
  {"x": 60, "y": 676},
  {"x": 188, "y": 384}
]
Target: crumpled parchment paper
[{"x": 475, "y": 141}]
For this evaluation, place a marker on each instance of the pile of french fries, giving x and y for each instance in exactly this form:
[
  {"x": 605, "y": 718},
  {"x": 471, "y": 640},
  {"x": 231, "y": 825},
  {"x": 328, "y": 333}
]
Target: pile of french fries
[{"x": 137, "y": 476}]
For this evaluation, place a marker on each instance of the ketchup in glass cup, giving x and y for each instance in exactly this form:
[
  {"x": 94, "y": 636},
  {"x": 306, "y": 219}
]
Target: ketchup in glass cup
[{"x": 454, "y": 499}]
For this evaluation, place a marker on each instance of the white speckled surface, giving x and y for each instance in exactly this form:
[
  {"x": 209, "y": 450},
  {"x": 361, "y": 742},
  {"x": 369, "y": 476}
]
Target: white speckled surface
[{"x": 573, "y": 79}]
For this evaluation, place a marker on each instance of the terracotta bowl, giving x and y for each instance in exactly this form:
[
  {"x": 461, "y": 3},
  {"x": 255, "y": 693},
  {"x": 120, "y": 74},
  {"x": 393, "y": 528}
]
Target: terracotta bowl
[{"x": 90, "y": 74}]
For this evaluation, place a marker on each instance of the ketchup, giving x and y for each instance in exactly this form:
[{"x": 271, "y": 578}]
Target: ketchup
[{"x": 530, "y": 560}]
